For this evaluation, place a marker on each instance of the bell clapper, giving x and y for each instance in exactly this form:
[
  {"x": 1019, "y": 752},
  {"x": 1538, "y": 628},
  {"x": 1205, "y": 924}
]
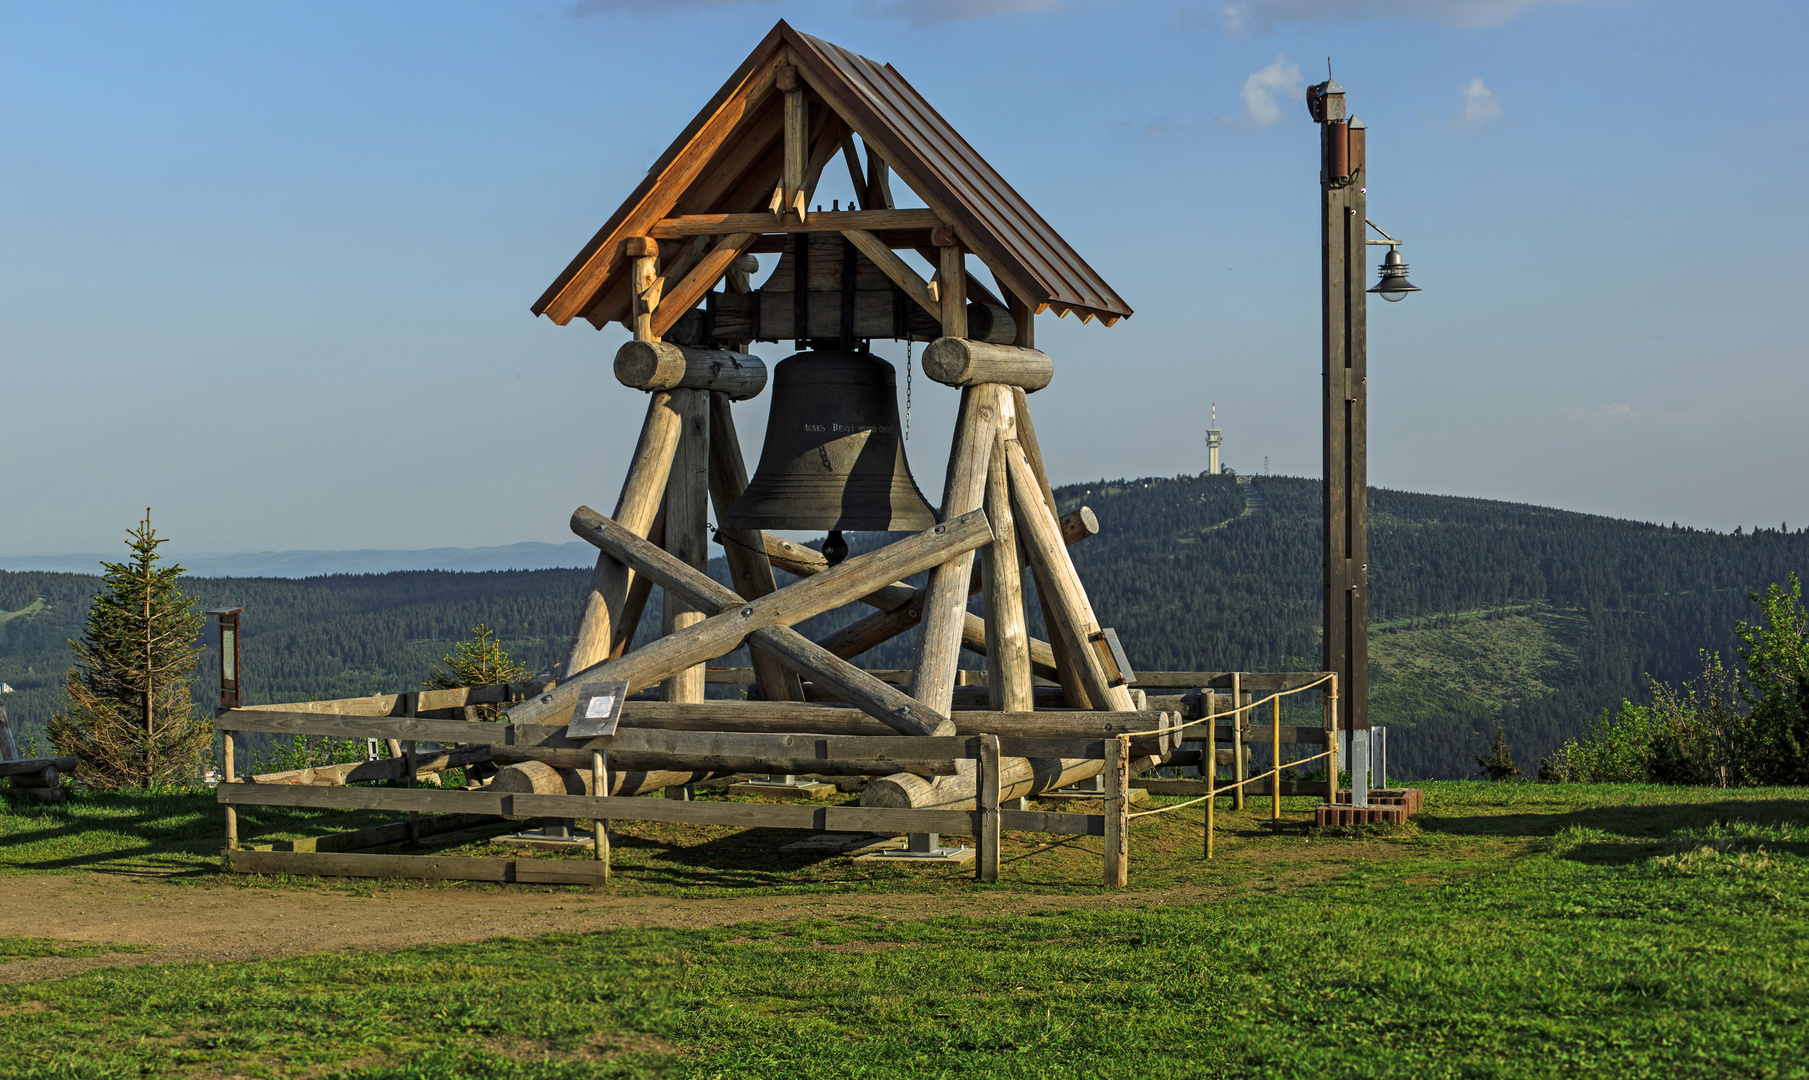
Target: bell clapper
[{"x": 835, "y": 549}]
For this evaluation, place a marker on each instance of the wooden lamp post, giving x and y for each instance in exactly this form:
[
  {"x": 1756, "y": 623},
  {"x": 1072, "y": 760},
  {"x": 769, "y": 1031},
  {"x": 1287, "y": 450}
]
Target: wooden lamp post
[{"x": 1344, "y": 230}]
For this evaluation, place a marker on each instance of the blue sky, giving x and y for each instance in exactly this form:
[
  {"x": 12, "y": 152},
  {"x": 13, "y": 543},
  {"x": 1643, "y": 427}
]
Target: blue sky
[{"x": 268, "y": 266}]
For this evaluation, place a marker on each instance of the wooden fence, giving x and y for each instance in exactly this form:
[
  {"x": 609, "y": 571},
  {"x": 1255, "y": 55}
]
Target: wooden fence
[{"x": 795, "y": 753}]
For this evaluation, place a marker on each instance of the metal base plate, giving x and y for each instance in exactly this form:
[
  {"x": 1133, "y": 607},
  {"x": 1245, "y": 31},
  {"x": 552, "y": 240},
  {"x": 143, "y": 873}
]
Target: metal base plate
[
  {"x": 801, "y": 790},
  {"x": 537, "y": 839},
  {"x": 893, "y": 851},
  {"x": 1136, "y": 795},
  {"x": 835, "y": 843}
]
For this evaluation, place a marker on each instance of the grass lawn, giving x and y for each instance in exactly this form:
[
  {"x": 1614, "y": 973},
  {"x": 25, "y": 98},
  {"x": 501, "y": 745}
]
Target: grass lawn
[{"x": 1514, "y": 930}]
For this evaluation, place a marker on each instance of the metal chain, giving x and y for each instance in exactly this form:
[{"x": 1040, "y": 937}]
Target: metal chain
[
  {"x": 722, "y": 537},
  {"x": 909, "y": 344}
]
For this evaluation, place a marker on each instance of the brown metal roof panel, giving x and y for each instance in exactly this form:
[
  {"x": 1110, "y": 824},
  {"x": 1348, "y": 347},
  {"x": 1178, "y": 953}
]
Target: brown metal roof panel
[
  {"x": 594, "y": 249},
  {"x": 970, "y": 183}
]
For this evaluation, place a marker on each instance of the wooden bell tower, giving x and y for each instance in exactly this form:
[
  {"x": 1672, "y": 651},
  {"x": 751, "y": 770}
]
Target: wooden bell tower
[{"x": 672, "y": 265}]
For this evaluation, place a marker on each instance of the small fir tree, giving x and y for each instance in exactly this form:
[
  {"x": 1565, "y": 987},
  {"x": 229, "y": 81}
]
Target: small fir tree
[
  {"x": 127, "y": 711},
  {"x": 1499, "y": 765},
  {"x": 479, "y": 661}
]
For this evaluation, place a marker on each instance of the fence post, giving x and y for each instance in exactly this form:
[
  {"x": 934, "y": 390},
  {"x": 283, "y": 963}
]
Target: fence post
[
  {"x": 1331, "y": 743},
  {"x": 414, "y": 817},
  {"x": 1118, "y": 805},
  {"x": 1275, "y": 762},
  {"x": 229, "y": 775},
  {"x": 1212, "y": 800},
  {"x": 599, "y": 827},
  {"x": 988, "y": 867},
  {"x": 1240, "y": 762}
]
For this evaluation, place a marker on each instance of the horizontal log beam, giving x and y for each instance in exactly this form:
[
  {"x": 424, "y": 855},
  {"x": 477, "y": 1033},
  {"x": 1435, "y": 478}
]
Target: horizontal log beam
[
  {"x": 834, "y": 221},
  {"x": 963, "y": 362},
  {"x": 660, "y": 365},
  {"x": 358, "y": 772},
  {"x": 1262, "y": 682},
  {"x": 26, "y": 766},
  {"x": 590, "y": 807},
  {"x": 421, "y": 702}
]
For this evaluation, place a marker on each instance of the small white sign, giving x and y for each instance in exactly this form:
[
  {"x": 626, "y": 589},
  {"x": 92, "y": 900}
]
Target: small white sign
[{"x": 600, "y": 707}]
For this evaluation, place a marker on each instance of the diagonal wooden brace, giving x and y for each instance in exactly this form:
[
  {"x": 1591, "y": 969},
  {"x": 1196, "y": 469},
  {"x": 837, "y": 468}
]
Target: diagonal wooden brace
[{"x": 763, "y": 621}]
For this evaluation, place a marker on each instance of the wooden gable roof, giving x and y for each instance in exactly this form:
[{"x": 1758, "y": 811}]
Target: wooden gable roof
[{"x": 730, "y": 157}]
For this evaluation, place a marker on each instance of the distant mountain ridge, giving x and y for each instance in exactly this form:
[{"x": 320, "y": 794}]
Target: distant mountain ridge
[
  {"x": 1482, "y": 613},
  {"x": 303, "y": 564}
]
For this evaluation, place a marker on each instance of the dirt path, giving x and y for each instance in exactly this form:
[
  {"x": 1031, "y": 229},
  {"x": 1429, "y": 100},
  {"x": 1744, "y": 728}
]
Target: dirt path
[{"x": 232, "y": 923}]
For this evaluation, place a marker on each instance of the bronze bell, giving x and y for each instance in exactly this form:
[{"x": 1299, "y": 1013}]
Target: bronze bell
[{"x": 833, "y": 458}]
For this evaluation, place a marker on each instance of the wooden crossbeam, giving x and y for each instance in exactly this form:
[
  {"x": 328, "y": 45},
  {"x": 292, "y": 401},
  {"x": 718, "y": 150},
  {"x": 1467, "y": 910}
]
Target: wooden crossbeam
[
  {"x": 721, "y": 633},
  {"x": 709, "y": 270},
  {"x": 822, "y": 221},
  {"x": 895, "y": 268},
  {"x": 904, "y": 713}
]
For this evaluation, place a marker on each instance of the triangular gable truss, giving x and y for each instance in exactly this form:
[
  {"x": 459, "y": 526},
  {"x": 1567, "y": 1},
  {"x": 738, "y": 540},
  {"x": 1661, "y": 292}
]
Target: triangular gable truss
[{"x": 731, "y": 159}]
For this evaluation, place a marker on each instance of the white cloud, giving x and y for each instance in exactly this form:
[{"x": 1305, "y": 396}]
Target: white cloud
[
  {"x": 932, "y": 12},
  {"x": 1265, "y": 93},
  {"x": 1243, "y": 15},
  {"x": 1481, "y": 109},
  {"x": 1614, "y": 410}
]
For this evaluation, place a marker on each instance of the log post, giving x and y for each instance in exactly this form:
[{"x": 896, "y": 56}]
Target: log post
[
  {"x": 640, "y": 588},
  {"x": 643, "y": 493},
  {"x": 944, "y": 598},
  {"x": 645, "y": 251},
  {"x": 229, "y": 775},
  {"x": 687, "y": 502},
  {"x": 952, "y": 273},
  {"x": 988, "y": 840},
  {"x": 1074, "y": 623},
  {"x": 1009, "y": 685},
  {"x": 9, "y": 747},
  {"x": 1065, "y": 673},
  {"x": 1117, "y": 817},
  {"x": 743, "y": 549}
]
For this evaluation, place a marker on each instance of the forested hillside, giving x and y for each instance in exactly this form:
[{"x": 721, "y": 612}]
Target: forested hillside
[{"x": 1481, "y": 612}]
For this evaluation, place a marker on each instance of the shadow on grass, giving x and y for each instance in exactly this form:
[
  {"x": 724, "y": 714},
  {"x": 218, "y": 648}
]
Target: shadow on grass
[
  {"x": 1633, "y": 832},
  {"x": 119, "y": 832}
]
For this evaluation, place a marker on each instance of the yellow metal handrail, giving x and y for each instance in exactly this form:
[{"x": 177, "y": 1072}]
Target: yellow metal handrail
[{"x": 1210, "y": 765}]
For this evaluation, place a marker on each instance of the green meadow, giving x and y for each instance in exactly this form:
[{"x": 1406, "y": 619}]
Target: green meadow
[{"x": 1512, "y": 930}]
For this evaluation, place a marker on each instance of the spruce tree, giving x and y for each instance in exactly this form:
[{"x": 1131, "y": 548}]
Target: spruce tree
[
  {"x": 479, "y": 661},
  {"x": 127, "y": 711}
]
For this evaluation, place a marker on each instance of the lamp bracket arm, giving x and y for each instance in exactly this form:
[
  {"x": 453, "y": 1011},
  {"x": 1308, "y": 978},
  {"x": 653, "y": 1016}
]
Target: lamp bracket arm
[{"x": 1390, "y": 241}]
